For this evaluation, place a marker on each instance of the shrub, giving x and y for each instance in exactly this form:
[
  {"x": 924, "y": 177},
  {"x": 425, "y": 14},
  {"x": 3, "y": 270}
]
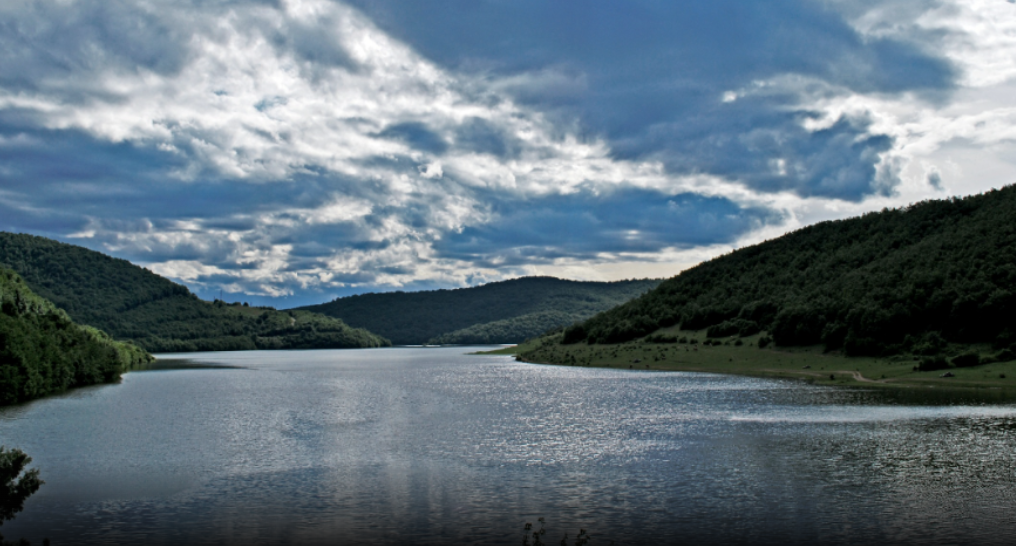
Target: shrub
[
  {"x": 966, "y": 360},
  {"x": 661, "y": 338},
  {"x": 833, "y": 335},
  {"x": 737, "y": 326},
  {"x": 932, "y": 363},
  {"x": 574, "y": 334},
  {"x": 1005, "y": 355},
  {"x": 798, "y": 326},
  {"x": 931, "y": 343}
]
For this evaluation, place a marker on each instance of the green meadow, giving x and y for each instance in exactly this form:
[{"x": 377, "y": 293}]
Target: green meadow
[{"x": 742, "y": 356}]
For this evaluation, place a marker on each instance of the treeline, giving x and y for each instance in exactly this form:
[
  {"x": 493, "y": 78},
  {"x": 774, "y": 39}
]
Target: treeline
[
  {"x": 43, "y": 352},
  {"x": 509, "y": 330},
  {"x": 901, "y": 280},
  {"x": 241, "y": 328},
  {"x": 478, "y": 314},
  {"x": 132, "y": 303}
]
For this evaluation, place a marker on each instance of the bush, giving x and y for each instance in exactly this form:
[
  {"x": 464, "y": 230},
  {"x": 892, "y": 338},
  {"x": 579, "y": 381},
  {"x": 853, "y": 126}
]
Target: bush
[
  {"x": 759, "y": 312},
  {"x": 1006, "y": 338},
  {"x": 574, "y": 334},
  {"x": 740, "y": 327},
  {"x": 834, "y": 334},
  {"x": 966, "y": 360},
  {"x": 696, "y": 318},
  {"x": 661, "y": 338},
  {"x": 931, "y": 343},
  {"x": 764, "y": 342},
  {"x": 932, "y": 363},
  {"x": 1005, "y": 355},
  {"x": 858, "y": 345},
  {"x": 798, "y": 326}
]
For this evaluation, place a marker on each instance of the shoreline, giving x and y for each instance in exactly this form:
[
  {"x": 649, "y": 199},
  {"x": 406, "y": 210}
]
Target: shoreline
[{"x": 810, "y": 364}]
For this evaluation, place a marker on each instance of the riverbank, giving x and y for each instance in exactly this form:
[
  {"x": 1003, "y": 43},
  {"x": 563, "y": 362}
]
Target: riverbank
[{"x": 809, "y": 364}]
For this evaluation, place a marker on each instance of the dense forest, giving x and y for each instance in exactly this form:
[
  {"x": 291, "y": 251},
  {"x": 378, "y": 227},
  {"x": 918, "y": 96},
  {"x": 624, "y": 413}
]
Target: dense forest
[
  {"x": 500, "y": 312},
  {"x": 901, "y": 280},
  {"x": 43, "y": 352},
  {"x": 502, "y": 331},
  {"x": 132, "y": 303}
]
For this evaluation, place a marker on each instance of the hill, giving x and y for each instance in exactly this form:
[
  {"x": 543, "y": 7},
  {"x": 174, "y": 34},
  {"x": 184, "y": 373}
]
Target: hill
[
  {"x": 500, "y": 312},
  {"x": 902, "y": 281},
  {"x": 43, "y": 352},
  {"x": 132, "y": 303}
]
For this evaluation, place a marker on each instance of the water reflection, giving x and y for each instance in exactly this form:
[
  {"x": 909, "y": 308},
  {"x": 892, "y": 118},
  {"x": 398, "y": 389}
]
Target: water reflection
[{"x": 433, "y": 446}]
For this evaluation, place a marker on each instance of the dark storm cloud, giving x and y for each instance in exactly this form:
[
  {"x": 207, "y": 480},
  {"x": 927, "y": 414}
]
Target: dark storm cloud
[
  {"x": 771, "y": 151},
  {"x": 648, "y": 76},
  {"x": 76, "y": 173},
  {"x": 584, "y": 224},
  {"x": 59, "y": 182},
  {"x": 50, "y": 40},
  {"x": 53, "y": 224}
]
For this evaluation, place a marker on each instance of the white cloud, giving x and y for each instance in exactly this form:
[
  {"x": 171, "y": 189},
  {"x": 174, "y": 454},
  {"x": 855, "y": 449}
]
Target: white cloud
[{"x": 250, "y": 101}]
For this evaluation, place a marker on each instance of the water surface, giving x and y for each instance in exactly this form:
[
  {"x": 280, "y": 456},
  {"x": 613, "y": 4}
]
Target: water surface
[{"x": 433, "y": 446}]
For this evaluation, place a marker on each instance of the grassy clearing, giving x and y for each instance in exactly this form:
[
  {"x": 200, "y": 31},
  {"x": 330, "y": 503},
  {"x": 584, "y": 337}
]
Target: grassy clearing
[{"x": 803, "y": 363}]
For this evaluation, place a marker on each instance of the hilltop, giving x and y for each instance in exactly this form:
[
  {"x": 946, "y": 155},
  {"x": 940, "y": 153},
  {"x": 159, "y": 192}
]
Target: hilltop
[
  {"x": 132, "y": 303},
  {"x": 931, "y": 284},
  {"x": 43, "y": 352},
  {"x": 500, "y": 312}
]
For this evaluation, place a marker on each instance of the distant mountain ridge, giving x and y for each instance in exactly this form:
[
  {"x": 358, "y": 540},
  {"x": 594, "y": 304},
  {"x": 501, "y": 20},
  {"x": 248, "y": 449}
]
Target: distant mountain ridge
[
  {"x": 500, "y": 312},
  {"x": 904, "y": 280},
  {"x": 131, "y": 303}
]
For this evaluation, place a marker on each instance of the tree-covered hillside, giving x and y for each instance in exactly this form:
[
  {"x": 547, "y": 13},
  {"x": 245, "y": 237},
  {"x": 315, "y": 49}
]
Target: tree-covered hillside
[
  {"x": 43, "y": 352},
  {"x": 132, "y": 303},
  {"x": 907, "y": 279},
  {"x": 500, "y": 312}
]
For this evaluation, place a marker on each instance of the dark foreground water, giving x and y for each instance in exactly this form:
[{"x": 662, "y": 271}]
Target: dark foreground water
[{"x": 431, "y": 446}]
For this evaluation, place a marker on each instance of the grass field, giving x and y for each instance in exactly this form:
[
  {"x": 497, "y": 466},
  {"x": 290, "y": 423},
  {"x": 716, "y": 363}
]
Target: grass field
[{"x": 802, "y": 363}]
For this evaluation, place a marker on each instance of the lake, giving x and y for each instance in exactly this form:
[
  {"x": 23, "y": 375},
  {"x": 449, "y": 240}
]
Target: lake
[{"x": 434, "y": 446}]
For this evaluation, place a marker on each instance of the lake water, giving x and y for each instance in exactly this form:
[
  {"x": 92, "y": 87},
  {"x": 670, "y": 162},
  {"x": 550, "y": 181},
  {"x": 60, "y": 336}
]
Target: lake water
[{"x": 433, "y": 446}]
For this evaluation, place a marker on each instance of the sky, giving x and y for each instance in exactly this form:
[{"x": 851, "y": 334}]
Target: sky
[{"x": 287, "y": 152}]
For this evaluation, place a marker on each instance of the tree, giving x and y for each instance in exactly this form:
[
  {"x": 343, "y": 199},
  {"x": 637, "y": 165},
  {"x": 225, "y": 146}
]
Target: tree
[{"x": 16, "y": 483}]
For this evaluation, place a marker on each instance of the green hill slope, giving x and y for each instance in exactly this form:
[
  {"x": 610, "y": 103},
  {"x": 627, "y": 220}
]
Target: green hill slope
[
  {"x": 500, "y": 312},
  {"x": 43, "y": 352},
  {"x": 895, "y": 281},
  {"x": 516, "y": 328},
  {"x": 132, "y": 303}
]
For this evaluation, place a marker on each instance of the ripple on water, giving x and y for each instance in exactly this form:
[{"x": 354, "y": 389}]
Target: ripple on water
[{"x": 432, "y": 446}]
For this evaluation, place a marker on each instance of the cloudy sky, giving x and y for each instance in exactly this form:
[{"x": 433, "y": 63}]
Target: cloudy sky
[{"x": 292, "y": 151}]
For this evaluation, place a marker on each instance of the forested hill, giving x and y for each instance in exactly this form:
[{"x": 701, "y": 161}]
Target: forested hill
[
  {"x": 132, "y": 303},
  {"x": 901, "y": 280},
  {"x": 500, "y": 312},
  {"x": 43, "y": 352}
]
